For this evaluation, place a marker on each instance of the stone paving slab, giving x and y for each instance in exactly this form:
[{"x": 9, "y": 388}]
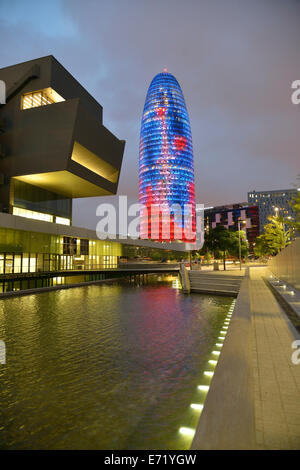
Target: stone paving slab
[{"x": 276, "y": 378}]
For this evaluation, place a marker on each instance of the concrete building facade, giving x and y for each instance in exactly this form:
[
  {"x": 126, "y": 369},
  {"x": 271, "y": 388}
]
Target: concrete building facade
[{"x": 271, "y": 203}]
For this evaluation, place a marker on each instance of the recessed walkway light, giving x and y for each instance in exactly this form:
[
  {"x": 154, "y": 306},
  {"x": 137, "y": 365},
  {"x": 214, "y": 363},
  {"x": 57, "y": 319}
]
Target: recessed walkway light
[
  {"x": 203, "y": 388},
  {"x": 208, "y": 373},
  {"x": 197, "y": 406},
  {"x": 187, "y": 431}
]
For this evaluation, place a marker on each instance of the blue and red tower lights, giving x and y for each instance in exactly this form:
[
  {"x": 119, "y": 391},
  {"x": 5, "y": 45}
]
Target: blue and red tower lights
[{"x": 166, "y": 170}]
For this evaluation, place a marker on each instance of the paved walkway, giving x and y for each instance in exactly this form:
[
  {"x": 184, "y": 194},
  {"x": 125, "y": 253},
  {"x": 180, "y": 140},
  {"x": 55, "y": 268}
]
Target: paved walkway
[{"x": 276, "y": 378}]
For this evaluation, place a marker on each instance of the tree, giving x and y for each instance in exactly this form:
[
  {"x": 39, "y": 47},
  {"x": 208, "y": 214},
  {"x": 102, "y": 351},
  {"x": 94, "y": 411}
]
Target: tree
[
  {"x": 295, "y": 203},
  {"x": 261, "y": 247},
  {"x": 220, "y": 241},
  {"x": 275, "y": 237},
  {"x": 235, "y": 244}
]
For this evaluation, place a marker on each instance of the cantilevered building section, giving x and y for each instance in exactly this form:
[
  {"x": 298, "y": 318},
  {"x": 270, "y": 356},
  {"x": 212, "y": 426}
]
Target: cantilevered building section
[
  {"x": 166, "y": 169},
  {"x": 53, "y": 144}
]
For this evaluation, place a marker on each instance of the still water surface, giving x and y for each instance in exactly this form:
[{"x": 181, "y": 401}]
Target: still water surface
[{"x": 104, "y": 366}]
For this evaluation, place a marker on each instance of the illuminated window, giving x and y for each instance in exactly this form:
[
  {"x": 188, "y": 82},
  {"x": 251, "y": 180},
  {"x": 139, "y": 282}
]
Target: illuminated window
[
  {"x": 40, "y": 98},
  {"x": 32, "y": 263},
  {"x": 17, "y": 264},
  {"x": 32, "y": 214},
  {"x": 25, "y": 263},
  {"x": 62, "y": 220}
]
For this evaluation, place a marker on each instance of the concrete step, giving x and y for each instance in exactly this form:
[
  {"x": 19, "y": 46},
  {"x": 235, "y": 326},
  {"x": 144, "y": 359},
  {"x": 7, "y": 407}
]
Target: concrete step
[
  {"x": 232, "y": 293},
  {"x": 207, "y": 276},
  {"x": 218, "y": 284},
  {"x": 208, "y": 279},
  {"x": 215, "y": 285},
  {"x": 214, "y": 282}
]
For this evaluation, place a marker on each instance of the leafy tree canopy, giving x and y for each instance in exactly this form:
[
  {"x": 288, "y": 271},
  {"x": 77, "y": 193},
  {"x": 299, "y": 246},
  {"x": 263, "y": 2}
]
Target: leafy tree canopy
[
  {"x": 276, "y": 236},
  {"x": 223, "y": 242}
]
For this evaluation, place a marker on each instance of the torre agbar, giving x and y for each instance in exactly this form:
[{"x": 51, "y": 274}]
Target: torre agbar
[{"x": 166, "y": 169}]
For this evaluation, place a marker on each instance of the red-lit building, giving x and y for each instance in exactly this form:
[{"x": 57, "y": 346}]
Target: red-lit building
[{"x": 229, "y": 215}]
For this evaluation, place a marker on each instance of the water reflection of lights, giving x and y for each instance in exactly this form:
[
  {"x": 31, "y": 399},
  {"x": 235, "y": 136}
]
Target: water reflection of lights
[{"x": 176, "y": 284}]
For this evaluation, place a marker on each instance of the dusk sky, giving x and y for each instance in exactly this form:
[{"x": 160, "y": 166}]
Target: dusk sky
[{"x": 235, "y": 62}]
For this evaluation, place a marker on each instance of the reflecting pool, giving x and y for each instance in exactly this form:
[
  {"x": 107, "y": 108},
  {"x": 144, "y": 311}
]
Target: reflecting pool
[{"x": 105, "y": 366}]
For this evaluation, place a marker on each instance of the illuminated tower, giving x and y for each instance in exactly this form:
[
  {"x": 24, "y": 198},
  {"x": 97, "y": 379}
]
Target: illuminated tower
[{"x": 166, "y": 167}]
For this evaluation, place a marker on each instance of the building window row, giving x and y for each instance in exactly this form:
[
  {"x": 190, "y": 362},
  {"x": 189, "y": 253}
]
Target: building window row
[
  {"x": 40, "y": 216},
  {"x": 12, "y": 263}
]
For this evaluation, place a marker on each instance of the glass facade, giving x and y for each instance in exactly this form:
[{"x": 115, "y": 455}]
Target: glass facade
[
  {"x": 166, "y": 169},
  {"x": 32, "y": 214},
  {"x": 9, "y": 285},
  {"x": 33, "y": 252},
  {"x": 32, "y": 198},
  {"x": 271, "y": 203}
]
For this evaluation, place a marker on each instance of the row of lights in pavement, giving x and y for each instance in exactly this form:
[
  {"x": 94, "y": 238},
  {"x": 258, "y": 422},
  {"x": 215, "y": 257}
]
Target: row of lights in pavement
[{"x": 209, "y": 372}]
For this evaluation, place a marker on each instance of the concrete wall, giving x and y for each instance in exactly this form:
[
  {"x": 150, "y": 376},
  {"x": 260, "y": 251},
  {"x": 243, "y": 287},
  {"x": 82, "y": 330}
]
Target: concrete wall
[
  {"x": 227, "y": 419},
  {"x": 286, "y": 265}
]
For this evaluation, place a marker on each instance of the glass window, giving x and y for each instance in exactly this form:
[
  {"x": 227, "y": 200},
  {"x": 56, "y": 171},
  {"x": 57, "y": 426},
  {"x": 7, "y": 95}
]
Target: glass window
[
  {"x": 25, "y": 263},
  {"x": 17, "y": 263},
  {"x": 84, "y": 247},
  {"x": 32, "y": 263},
  {"x": 32, "y": 198},
  {"x": 44, "y": 97},
  {"x": 9, "y": 263},
  {"x": 62, "y": 221},
  {"x": 69, "y": 246},
  {"x": 32, "y": 214}
]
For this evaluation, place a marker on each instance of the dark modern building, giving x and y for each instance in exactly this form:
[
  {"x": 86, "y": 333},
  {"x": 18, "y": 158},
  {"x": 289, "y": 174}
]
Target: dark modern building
[
  {"x": 53, "y": 144},
  {"x": 53, "y": 148},
  {"x": 271, "y": 203},
  {"x": 229, "y": 215}
]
